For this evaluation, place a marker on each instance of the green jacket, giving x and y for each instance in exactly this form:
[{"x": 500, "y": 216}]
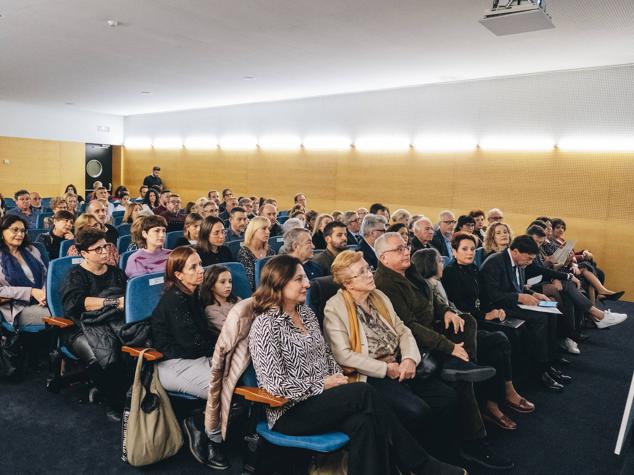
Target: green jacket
[{"x": 418, "y": 307}]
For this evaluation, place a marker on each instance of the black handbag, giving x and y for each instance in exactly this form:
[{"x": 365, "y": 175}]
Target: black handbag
[
  {"x": 11, "y": 353},
  {"x": 427, "y": 366}
]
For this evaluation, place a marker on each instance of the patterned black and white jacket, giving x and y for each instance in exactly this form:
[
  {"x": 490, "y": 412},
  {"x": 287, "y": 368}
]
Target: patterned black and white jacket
[{"x": 288, "y": 362}]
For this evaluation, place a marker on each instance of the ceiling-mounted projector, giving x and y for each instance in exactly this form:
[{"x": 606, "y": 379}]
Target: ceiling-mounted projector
[{"x": 510, "y": 17}]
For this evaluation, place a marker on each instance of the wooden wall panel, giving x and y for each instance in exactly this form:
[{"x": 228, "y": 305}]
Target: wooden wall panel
[
  {"x": 46, "y": 166},
  {"x": 591, "y": 191}
]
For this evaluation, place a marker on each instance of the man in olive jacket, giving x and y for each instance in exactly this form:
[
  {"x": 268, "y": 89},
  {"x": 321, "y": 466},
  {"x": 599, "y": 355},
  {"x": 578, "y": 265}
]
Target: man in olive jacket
[{"x": 420, "y": 309}]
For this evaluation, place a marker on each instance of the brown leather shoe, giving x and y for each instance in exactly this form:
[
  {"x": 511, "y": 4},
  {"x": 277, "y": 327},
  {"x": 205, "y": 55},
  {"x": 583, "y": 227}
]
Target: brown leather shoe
[
  {"x": 524, "y": 406},
  {"x": 502, "y": 422}
]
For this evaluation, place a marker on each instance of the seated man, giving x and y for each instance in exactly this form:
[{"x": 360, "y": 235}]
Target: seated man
[
  {"x": 423, "y": 230},
  {"x": 230, "y": 203},
  {"x": 442, "y": 237},
  {"x": 495, "y": 215},
  {"x": 36, "y": 202},
  {"x": 450, "y": 338},
  {"x": 237, "y": 224},
  {"x": 335, "y": 234},
  {"x": 269, "y": 211},
  {"x": 98, "y": 210},
  {"x": 298, "y": 243},
  {"x": 101, "y": 194},
  {"x": 353, "y": 223},
  {"x": 24, "y": 209},
  {"x": 372, "y": 227},
  {"x": 174, "y": 216},
  {"x": 247, "y": 205},
  {"x": 504, "y": 286}
]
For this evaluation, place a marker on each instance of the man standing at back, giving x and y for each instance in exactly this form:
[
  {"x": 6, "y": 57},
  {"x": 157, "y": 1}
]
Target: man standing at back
[
  {"x": 154, "y": 180},
  {"x": 442, "y": 237}
]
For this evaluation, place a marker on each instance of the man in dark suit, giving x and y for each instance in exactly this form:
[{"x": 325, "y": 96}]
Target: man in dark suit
[
  {"x": 423, "y": 230},
  {"x": 372, "y": 227},
  {"x": 353, "y": 223},
  {"x": 504, "y": 286},
  {"x": 442, "y": 237}
]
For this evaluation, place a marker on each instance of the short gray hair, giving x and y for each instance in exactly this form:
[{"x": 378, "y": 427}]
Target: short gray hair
[
  {"x": 372, "y": 222},
  {"x": 416, "y": 225},
  {"x": 348, "y": 215},
  {"x": 291, "y": 223},
  {"x": 381, "y": 244},
  {"x": 445, "y": 213},
  {"x": 291, "y": 237}
]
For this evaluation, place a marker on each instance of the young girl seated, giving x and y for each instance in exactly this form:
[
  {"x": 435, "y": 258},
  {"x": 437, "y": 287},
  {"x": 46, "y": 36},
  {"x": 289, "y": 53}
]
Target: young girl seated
[{"x": 217, "y": 297}]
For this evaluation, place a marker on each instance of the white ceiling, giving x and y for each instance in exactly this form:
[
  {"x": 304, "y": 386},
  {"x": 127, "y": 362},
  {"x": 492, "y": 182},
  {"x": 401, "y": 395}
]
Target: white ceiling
[{"x": 196, "y": 53}]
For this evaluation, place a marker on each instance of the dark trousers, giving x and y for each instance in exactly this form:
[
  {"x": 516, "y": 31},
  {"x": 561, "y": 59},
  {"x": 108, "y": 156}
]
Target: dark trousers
[
  {"x": 540, "y": 335},
  {"x": 471, "y": 423},
  {"x": 426, "y": 407},
  {"x": 494, "y": 349},
  {"x": 378, "y": 441},
  {"x": 566, "y": 323}
]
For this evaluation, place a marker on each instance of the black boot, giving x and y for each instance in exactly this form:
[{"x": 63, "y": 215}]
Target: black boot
[
  {"x": 198, "y": 441},
  {"x": 216, "y": 457}
]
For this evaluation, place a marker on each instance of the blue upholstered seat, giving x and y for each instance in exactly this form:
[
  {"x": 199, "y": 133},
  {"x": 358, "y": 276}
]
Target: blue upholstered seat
[
  {"x": 123, "y": 241},
  {"x": 142, "y": 295},
  {"x": 324, "y": 443},
  {"x": 234, "y": 247},
  {"x": 276, "y": 242},
  {"x": 172, "y": 238},
  {"x": 123, "y": 229},
  {"x": 123, "y": 259},
  {"x": 64, "y": 246},
  {"x": 259, "y": 264}
]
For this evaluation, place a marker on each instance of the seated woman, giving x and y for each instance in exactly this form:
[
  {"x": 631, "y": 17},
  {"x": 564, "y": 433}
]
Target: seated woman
[
  {"x": 216, "y": 296},
  {"x": 461, "y": 281},
  {"x": 86, "y": 221},
  {"x": 57, "y": 203},
  {"x": 292, "y": 360},
  {"x": 211, "y": 240},
  {"x": 401, "y": 229},
  {"x": 151, "y": 200},
  {"x": 191, "y": 230},
  {"x": 497, "y": 238},
  {"x": 318, "y": 230},
  {"x": 72, "y": 204},
  {"x": 93, "y": 297},
  {"x": 72, "y": 189},
  {"x": 467, "y": 224},
  {"x": 132, "y": 212},
  {"x": 151, "y": 257},
  {"x": 22, "y": 276},
  {"x": 582, "y": 265},
  {"x": 256, "y": 246},
  {"x": 62, "y": 230},
  {"x": 181, "y": 333}
]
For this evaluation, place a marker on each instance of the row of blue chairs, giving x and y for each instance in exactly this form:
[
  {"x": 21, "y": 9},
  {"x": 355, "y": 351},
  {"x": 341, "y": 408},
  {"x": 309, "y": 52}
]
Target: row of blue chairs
[{"x": 142, "y": 295}]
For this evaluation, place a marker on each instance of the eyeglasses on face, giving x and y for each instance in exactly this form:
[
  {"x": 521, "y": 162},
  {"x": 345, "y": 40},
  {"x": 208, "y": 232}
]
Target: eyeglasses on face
[
  {"x": 367, "y": 270},
  {"x": 453, "y": 221},
  {"x": 99, "y": 249},
  {"x": 15, "y": 230},
  {"x": 400, "y": 249}
]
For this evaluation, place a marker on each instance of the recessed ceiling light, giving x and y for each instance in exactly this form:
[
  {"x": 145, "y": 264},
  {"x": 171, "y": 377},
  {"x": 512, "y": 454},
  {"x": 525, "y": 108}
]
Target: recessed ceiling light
[
  {"x": 112, "y": 23},
  {"x": 146, "y": 93},
  {"x": 248, "y": 78}
]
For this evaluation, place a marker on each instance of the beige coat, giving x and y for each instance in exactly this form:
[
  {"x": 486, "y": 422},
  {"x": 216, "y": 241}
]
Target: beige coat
[
  {"x": 337, "y": 331},
  {"x": 230, "y": 359}
]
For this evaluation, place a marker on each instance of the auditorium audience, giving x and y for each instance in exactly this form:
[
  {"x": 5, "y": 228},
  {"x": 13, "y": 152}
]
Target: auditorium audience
[
  {"x": 56, "y": 204},
  {"x": 213, "y": 195},
  {"x": 211, "y": 240},
  {"x": 380, "y": 210},
  {"x": 93, "y": 296},
  {"x": 372, "y": 227},
  {"x": 269, "y": 211},
  {"x": 22, "y": 275},
  {"x": 230, "y": 203},
  {"x": 98, "y": 210},
  {"x": 62, "y": 229},
  {"x": 480, "y": 228},
  {"x": 353, "y": 223},
  {"x": 151, "y": 257},
  {"x": 217, "y": 297},
  {"x": 226, "y": 194},
  {"x": 181, "y": 333},
  {"x": 23, "y": 208},
  {"x": 495, "y": 215},
  {"x": 497, "y": 238},
  {"x": 401, "y": 229},
  {"x": 247, "y": 205},
  {"x": 504, "y": 287},
  {"x": 256, "y": 245},
  {"x": 73, "y": 189},
  {"x": 318, "y": 230},
  {"x": 101, "y": 195},
  {"x": 72, "y": 203},
  {"x": 301, "y": 200},
  {"x": 362, "y": 212},
  {"x": 335, "y": 235},
  {"x": 132, "y": 212},
  {"x": 174, "y": 216},
  {"x": 298, "y": 243},
  {"x": 337, "y": 216},
  {"x": 191, "y": 230},
  {"x": 466, "y": 224},
  {"x": 151, "y": 200},
  {"x": 423, "y": 230},
  {"x": 142, "y": 191},
  {"x": 292, "y": 360},
  {"x": 36, "y": 202},
  {"x": 86, "y": 221},
  {"x": 442, "y": 236},
  {"x": 400, "y": 216}
]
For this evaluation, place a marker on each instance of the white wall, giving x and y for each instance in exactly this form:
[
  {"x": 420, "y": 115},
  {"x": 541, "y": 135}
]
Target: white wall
[
  {"x": 598, "y": 102},
  {"x": 68, "y": 124}
]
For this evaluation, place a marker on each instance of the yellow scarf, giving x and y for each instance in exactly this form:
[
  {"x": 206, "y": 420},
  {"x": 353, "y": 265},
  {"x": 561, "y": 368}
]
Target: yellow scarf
[{"x": 353, "y": 322}]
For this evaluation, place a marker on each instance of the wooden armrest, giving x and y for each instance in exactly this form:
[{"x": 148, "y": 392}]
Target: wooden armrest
[
  {"x": 260, "y": 395},
  {"x": 151, "y": 355},
  {"x": 58, "y": 322}
]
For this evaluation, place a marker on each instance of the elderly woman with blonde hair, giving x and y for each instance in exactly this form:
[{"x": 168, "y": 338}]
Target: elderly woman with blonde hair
[{"x": 372, "y": 344}]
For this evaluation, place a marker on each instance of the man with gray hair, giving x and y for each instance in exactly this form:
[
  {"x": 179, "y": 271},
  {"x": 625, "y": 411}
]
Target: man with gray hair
[
  {"x": 353, "y": 223},
  {"x": 372, "y": 227},
  {"x": 247, "y": 204},
  {"x": 99, "y": 211},
  {"x": 298, "y": 243},
  {"x": 442, "y": 237},
  {"x": 495, "y": 215},
  {"x": 423, "y": 230}
]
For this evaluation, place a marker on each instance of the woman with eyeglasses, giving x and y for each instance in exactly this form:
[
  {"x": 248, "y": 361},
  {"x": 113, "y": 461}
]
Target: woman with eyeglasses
[
  {"x": 93, "y": 297},
  {"x": 292, "y": 360},
  {"x": 211, "y": 242},
  {"x": 90, "y": 221},
  {"x": 22, "y": 276}
]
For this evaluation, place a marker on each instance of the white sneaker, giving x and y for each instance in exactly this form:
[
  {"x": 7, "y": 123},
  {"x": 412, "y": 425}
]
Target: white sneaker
[
  {"x": 570, "y": 346},
  {"x": 610, "y": 319}
]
